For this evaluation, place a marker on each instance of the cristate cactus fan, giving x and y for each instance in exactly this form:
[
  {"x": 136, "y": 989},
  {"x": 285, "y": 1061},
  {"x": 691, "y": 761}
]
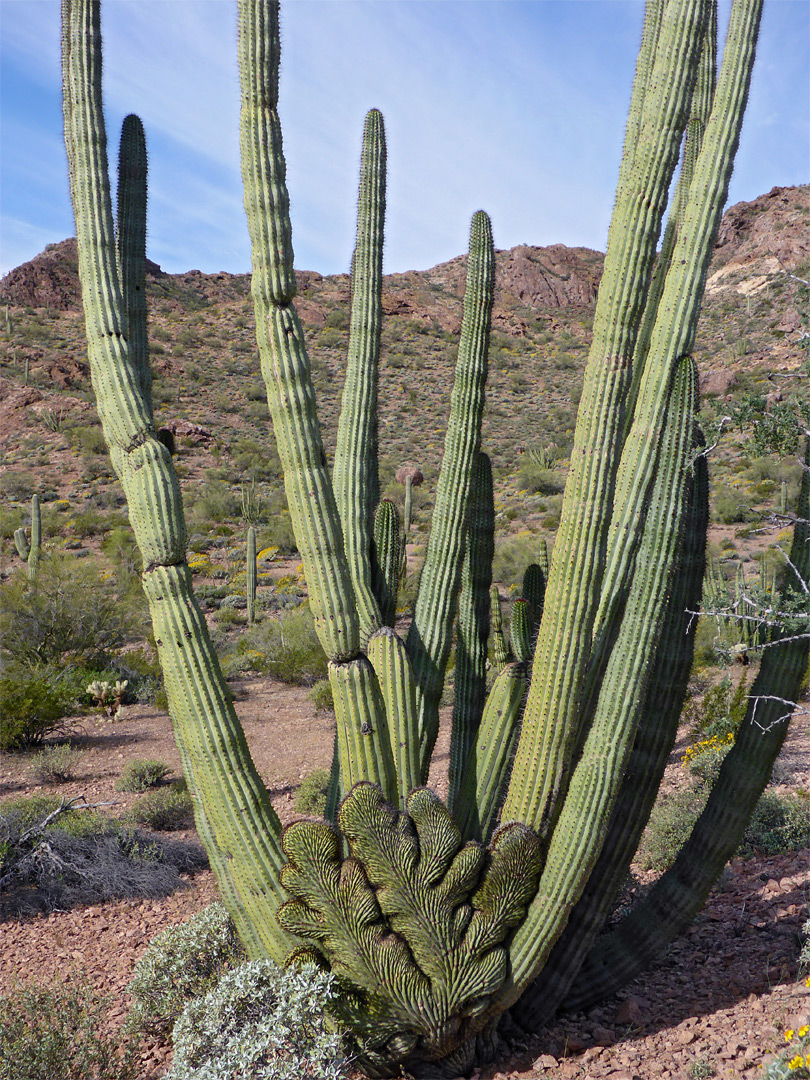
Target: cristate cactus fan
[{"x": 437, "y": 919}]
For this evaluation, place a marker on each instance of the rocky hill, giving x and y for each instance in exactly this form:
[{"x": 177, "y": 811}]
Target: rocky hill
[{"x": 207, "y": 386}]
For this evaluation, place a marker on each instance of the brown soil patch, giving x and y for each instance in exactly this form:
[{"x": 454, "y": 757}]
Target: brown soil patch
[{"x": 722, "y": 995}]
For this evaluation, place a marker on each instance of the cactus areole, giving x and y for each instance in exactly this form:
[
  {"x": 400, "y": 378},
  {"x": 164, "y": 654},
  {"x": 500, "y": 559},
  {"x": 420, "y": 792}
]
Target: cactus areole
[{"x": 437, "y": 919}]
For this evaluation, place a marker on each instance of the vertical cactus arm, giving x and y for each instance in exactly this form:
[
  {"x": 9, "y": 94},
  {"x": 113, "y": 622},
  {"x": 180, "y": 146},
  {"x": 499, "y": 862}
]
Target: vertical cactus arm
[
  {"x": 682, "y": 890},
  {"x": 408, "y": 503},
  {"x": 499, "y": 649},
  {"x": 485, "y": 772},
  {"x": 280, "y": 337},
  {"x": 702, "y": 100},
  {"x": 250, "y": 575},
  {"x": 534, "y": 593},
  {"x": 389, "y": 658},
  {"x": 581, "y": 829},
  {"x": 473, "y": 624},
  {"x": 21, "y": 544},
  {"x": 387, "y": 560},
  {"x": 356, "y": 479},
  {"x": 430, "y": 635},
  {"x": 36, "y": 538},
  {"x": 131, "y": 244},
  {"x": 122, "y": 409},
  {"x": 673, "y": 334},
  {"x": 520, "y": 631},
  {"x": 232, "y": 807},
  {"x": 364, "y": 742},
  {"x": 661, "y": 712},
  {"x": 645, "y": 62},
  {"x": 550, "y": 728}
]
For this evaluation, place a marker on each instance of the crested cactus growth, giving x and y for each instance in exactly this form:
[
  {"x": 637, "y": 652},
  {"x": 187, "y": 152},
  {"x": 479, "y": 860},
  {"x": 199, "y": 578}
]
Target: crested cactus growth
[
  {"x": 438, "y": 919},
  {"x": 30, "y": 552}
]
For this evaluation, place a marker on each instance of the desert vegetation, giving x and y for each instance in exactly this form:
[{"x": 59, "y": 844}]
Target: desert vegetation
[{"x": 392, "y": 629}]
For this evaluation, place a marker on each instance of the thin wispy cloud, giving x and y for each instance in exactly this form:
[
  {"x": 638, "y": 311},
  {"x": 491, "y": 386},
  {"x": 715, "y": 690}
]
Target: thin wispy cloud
[{"x": 516, "y": 106}]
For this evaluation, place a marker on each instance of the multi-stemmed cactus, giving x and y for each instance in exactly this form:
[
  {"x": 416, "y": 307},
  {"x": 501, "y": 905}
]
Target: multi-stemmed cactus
[
  {"x": 439, "y": 919},
  {"x": 30, "y": 552}
]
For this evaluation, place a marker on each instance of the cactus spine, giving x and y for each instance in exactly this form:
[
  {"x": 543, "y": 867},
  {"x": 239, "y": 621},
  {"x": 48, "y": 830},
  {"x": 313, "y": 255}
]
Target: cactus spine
[{"x": 562, "y": 769}]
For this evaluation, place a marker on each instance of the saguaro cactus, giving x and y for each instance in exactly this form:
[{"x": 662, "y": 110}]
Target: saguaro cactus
[
  {"x": 250, "y": 574},
  {"x": 438, "y": 919},
  {"x": 30, "y": 553}
]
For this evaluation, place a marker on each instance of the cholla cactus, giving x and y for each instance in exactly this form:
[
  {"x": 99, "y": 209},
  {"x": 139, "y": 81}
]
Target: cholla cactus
[
  {"x": 109, "y": 696},
  {"x": 438, "y": 919}
]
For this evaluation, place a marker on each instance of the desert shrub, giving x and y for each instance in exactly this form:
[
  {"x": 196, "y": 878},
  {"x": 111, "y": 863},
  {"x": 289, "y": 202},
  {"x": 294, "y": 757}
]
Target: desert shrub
[
  {"x": 669, "y": 827},
  {"x": 35, "y": 701},
  {"x": 542, "y": 481},
  {"x": 73, "y": 611},
  {"x": 720, "y": 712},
  {"x": 780, "y": 823},
  {"x": 286, "y": 648},
  {"x": 512, "y": 555},
  {"x": 321, "y": 695},
  {"x": 56, "y": 764},
  {"x": 140, "y": 775},
  {"x": 81, "y": 857},
  {"x": 56, "y": 1032},
  {"x": 704, "y": 758},
  {"x": 260, "y": 1023},
  {"x": 728, "y": 505},
  {"x": 164, "y": 810},
  {"x": 216, "y": 501},
  {"x": 311, "y": 795},
  {"x": 181, "y": 963}
]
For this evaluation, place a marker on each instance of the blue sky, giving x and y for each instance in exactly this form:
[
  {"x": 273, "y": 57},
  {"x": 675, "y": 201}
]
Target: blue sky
[{"x": 513, "y": 106}]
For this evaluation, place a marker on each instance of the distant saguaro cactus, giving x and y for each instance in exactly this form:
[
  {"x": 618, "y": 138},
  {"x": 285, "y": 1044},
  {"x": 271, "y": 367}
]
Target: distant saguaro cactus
[
  {"x": 30, "y": 552},
  {"x": 437, "y": 919}
]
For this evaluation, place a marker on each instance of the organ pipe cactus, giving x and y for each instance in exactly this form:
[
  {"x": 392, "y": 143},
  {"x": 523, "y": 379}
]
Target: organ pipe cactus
[{"x": 439, "y": 919}]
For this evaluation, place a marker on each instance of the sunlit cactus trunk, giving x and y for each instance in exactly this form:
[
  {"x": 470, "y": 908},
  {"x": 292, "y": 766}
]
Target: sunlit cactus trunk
[{"x": 439, "y": 919}]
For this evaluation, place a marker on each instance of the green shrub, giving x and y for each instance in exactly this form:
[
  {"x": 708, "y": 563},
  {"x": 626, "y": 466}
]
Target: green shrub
[
  {"x": 286, "y": 648},
  {"x": 538, "y": 480},
  {"x": 311, "y": 795},
  {"x": 669, "y": 827},
  {"x": 141, "y": 775},
  {"x": 73, "y": 611},
  {"x": 729, "y": 505},
  {"x": 164, "y": 810},
  {"x": 56, "y": 1032},
  {"x": 321, "y": 695},
  {"x": 56, "y": 764},
  {"x": 512, "y": 555},
  {"x": 181, "y": 963},
  {"x": 260, "y": 1023},
  {"x": 35, "y": 702},
  {"x": 780, "y": 823},
  {"x": 720, "y": 712}
]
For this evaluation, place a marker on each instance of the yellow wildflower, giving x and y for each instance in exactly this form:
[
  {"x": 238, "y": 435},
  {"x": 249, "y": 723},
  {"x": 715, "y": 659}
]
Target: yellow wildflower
[
  {"x": 796, "y": 1062},
  {"x": 789, "y": 1035},
  {"x": 803, "y": 1031}
]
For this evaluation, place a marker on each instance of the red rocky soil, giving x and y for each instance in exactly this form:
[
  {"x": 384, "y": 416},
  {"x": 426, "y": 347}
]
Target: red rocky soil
[{"x": 722, "y": 995}]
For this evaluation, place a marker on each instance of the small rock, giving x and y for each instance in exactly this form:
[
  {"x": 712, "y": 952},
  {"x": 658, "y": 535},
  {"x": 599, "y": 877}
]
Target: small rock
[
  {"x": 630, "y": 1011},
  {"x": 545, "y": 1061},
  {"x": 604, "y": 1036}
]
